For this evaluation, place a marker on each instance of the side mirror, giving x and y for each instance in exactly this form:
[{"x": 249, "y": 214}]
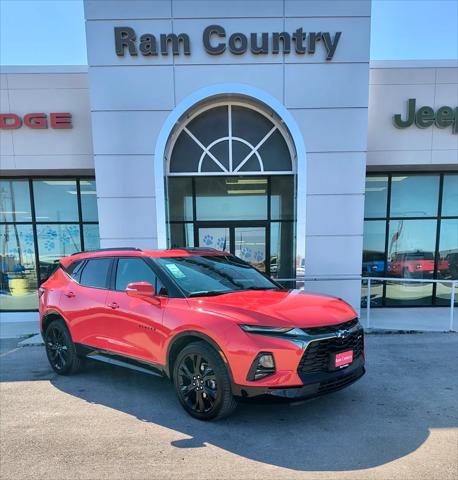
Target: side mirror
[{"x": 141, "y": 290}]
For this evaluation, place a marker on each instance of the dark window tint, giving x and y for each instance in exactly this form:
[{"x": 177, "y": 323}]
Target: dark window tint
[
  {"x": 74, "y": 269},
  {"x": 133, "y": 270},
  {"x": 95, "y": 273}
]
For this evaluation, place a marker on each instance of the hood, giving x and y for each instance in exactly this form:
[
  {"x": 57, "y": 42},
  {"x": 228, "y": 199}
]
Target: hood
[{"x": 278, "y": 308}]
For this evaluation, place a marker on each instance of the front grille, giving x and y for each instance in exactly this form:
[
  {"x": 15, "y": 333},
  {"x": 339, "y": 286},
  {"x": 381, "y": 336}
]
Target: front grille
[
  {"x": 316, "y": 358},
  {"x": 338, "y": 383},
  {"x": 330, "y": 328}
]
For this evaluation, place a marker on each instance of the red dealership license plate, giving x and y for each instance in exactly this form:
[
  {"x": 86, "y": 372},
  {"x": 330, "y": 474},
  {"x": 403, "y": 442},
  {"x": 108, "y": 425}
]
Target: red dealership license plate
[{"x": 343, "y": 358}]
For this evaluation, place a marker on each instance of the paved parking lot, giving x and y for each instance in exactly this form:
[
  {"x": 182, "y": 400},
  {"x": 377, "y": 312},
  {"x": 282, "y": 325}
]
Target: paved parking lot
[{"x": 400, "y": 421}]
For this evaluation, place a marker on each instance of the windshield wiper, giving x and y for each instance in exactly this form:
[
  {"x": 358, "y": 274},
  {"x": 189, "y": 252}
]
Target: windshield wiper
[{"x": 209, "y": 293}]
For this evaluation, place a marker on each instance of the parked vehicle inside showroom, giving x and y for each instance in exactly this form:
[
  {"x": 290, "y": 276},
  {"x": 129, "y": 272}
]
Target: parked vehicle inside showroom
[{"x": 219, "y": 329}]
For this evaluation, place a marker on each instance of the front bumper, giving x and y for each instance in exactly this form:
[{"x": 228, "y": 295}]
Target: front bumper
[
  {"x": 317, "y": 384},
  {"x": 314, "y": 374}
]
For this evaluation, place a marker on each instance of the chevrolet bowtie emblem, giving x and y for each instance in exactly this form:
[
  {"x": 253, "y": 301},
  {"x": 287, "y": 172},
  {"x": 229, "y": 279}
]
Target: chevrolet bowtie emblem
[{"x": 342, "y": 333}]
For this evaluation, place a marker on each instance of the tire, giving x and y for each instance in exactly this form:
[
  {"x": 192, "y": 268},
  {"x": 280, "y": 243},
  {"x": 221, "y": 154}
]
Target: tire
[
  {"x": 60, "y": 349},
  {"x": 202, "y": 382}
]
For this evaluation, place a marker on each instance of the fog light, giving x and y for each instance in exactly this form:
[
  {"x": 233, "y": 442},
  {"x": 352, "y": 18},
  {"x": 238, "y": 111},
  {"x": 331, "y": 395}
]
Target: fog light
[
  {"x": 266, "y": 360},
  {"x": 262, "y": 366}
]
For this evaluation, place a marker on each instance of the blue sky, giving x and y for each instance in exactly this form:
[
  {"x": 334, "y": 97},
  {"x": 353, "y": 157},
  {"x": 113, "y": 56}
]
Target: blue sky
[{"x": 43, "y": 32}]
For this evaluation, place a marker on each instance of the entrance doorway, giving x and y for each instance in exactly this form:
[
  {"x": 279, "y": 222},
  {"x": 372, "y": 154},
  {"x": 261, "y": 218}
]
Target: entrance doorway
[
  {"x": 231, "y": 185},
  {"x": 247, "y": 240}
]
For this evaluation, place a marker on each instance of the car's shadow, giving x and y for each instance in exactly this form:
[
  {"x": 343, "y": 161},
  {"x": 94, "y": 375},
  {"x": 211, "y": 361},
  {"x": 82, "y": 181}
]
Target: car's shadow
[{"x": 381, "y": 418}]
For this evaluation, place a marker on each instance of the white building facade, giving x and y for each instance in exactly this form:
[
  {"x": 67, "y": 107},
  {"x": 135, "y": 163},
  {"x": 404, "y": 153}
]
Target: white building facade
[{"x": 262, "y": 131}]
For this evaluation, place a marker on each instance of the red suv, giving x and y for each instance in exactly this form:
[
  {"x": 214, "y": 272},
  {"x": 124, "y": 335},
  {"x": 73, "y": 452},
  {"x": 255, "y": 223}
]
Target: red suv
[{"x": 215, "y": 326}]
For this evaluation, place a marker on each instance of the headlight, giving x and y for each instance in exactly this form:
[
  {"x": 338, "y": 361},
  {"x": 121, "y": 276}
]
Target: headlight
[{"x": 271, "y": 330}]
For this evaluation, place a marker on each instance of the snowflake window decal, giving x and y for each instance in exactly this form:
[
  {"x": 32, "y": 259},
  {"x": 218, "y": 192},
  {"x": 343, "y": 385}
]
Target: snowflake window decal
[{"x": 230, "y": 138}]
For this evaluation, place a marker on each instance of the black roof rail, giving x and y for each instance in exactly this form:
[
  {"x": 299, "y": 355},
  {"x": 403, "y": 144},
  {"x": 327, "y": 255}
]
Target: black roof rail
[{"x": 111, "y": 249}]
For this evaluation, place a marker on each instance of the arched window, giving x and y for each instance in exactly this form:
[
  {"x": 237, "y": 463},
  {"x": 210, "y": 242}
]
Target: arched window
[{"x": 230, "y": 138}]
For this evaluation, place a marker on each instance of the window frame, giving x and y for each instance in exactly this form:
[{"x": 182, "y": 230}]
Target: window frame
[
  {"x": 388, "y": 218},
  {"x": 108, "y": 275},
  {"x": 33, "y": 222}
]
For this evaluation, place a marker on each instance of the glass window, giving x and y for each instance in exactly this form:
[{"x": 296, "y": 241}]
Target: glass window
[
  {"x": 448, "y": 260},
  {"x": 88, "y": 201},
  {"x": 450, "y": 196},
  {"x": 214, "y": 237},
  {"x": 181, "y": 235},
  {"x": 281, "y": 253},
  {"x": 15, "y": 201},
  {"x": 410, "y": 255},
  {"x": 250, "y": 245},
  {"x": 376, "y": 196},
  {"x": 414, "y": 195},
  {"x": 74, "y": 269},
  {"x": 55, "y": 200},
  {"x": 95, "y": 273},
  {"x": 230, "y": 138},
  {"x": 18, "y": 274},
  {"x": 91, "y": 237},
  {"x": 374, "y": 248},
  {"x": 282, "y": 204},
  {"x": 54, "y": 242},
  {"x": 133, "y": 270},
  {"x": 180, "y": 198},
  {"x": 231, "y": 198}
]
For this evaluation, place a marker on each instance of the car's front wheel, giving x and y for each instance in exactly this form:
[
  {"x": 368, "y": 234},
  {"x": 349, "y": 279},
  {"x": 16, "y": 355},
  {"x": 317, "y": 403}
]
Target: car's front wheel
[
  {"x": 60, "y": 349},
  {"x": 202, "y": 382}
]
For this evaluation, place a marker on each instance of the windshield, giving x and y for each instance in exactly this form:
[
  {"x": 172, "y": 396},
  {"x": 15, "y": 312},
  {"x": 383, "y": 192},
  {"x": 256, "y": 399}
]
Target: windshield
[{"x": 213, "y": 275}]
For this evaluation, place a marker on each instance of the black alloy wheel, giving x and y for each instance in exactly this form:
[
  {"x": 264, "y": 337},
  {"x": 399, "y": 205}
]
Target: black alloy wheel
[
  {"x": 60, "y": 349},
  {"x": 202, "y": 382}
]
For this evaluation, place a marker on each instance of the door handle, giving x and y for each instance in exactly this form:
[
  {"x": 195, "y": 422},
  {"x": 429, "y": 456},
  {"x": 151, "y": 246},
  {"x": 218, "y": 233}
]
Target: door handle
[
  {"x": 69, "y": 294},
  {"x": 113, "y": 305}
]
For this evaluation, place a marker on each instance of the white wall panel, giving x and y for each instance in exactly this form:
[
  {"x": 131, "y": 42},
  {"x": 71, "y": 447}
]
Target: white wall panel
[
  {"x": 101, "y": 41},
  {"x": 47, "y": 81},
  {"x": 189, "y": 78},
  {"x": 399, "y": 157},
  {"x": 386, "y": 101},
  {"x": 402, "y": 76},
  {"x": 326, "y": 85},
  {"x": 195, "y": 27},
  {"x": 328, "y": 8},
  {"x": 333, "y": 130},
  {"x": 132, "y": 88},
  {"x": 336, "y": 173},
  {"x": 125, "y": 176},
  {"x": 333, "y": 255},
  {"x": 76, "y": 140},
  {"x": 353, "y": 45},
  {"x": 144, "y": 243},
  {"x": 127, "y": 218},
  {"x": 447, "y": 75},
  {"x": 124, "y": 10},
  {"x": 126, "y": 132},
  {"x": 227, "y": 8},
  {"x": 335, "y": 215},
  {"x": 33, "y": 164}
]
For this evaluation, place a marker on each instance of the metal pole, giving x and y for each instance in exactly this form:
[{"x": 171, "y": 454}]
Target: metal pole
[
  {"x": 452, "y": 305},
  {"x": 368, "y": 303}
]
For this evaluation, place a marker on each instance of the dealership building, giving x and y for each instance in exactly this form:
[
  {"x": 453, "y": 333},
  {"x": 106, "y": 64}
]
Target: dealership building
[{"x": 267, "y": 132}]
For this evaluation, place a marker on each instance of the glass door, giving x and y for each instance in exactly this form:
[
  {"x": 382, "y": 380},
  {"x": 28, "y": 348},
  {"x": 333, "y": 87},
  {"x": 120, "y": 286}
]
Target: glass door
[
  {"x": 245, "y": 241},
  {"x": 250, "y": 245}
]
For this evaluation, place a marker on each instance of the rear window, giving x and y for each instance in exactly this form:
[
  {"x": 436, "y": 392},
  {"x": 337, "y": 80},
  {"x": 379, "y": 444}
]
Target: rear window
[
  {"x": 74, "y": 269},
  {"x": 95, "y": 273}
]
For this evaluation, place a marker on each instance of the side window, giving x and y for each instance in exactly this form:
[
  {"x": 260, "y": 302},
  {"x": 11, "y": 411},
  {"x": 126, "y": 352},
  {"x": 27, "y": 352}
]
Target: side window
[
  {"x": 74, "y": 269},
  {"x": 95, "y": 273},
  {"x": 133, "y": 270}
]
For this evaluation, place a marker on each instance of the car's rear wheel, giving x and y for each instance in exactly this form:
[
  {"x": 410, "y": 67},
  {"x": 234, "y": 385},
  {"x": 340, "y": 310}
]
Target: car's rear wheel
[
  {"x": 202, "y": 382},
  {"x": 60, "y": 349}
]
